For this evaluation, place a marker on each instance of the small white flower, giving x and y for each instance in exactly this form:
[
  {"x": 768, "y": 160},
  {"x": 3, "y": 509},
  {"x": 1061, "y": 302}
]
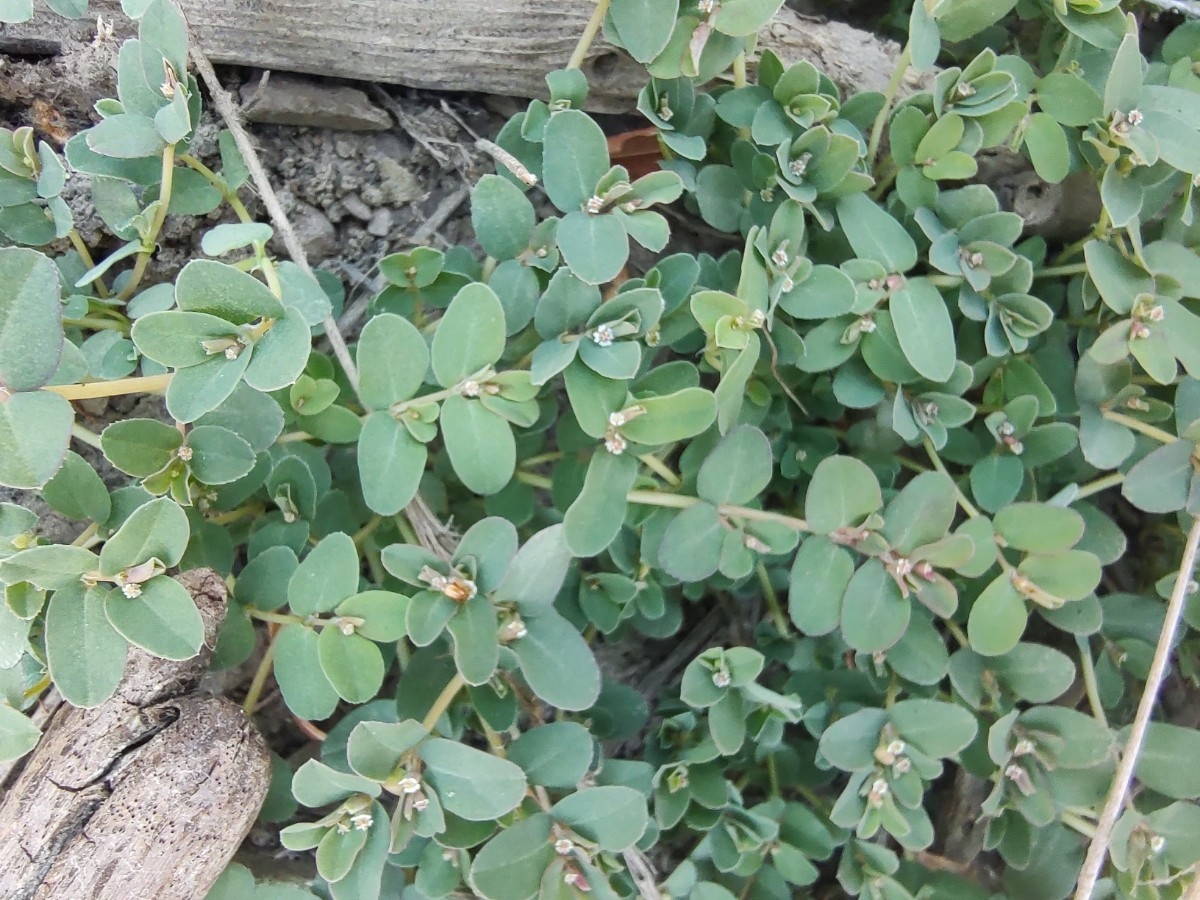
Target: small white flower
[
  {"x": 408, "y": 785},
  {"x": 721, "y": 678},
  {"x": 757, "y": 318},
  {"x": 787, "y": 284},
  {"x": 964, "y": 89},
  {"x": 866, "y": 325},
  {"x": 1135, "y": 117},
  {"x": 1155, "y": 314},
  {"x": 780, "y": 256},
  {"x": 343, "y": 827},
  {"x": 603, "y": 336},
  {"x": 903, "y": 764},
  {"x": 594, "y": 205},
  {"x": 615, "y": 443},
  {"x": 1157, "y": 843},
  {"x": 896, "y": 747},
  {"x": 1005, "y": 429},
  {"x": 184, "y": 453},
  {"x": 563, "y": 846},
  {"x": 799, "y": 165},
  {"x": 616, "y": 419},
  {"x": 1137, "y": 404},
  {"x": 345, "y": 626},
  {"x": 1016, "y": 447},
  {"x": 1139, "y": 331},
  {"x": 132, "y": 591},
  {"x": 421, "y": 803},
  {"x": 577, "y": 881},
  {"x": 232, "y": 352},
  {"x": 664, "y": 109},
  {"x": 904, "y": 565},
  {"x": 470, "y": 388},
  {"x": 1023, "y": 748},
  {"x": 753, "y": 543},
  {"x": 362, "y": 821},
  {"x": 707, "y": 6}
]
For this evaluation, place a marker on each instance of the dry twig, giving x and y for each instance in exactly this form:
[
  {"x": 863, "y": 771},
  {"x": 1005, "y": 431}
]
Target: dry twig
[{"x": 1137, "y": 733}]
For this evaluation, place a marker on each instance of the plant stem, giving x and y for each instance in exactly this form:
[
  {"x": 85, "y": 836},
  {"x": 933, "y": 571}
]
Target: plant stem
[
  {"x": 293, "y": 437},
  {"x": 1137, "y": 732},
  {"x": 683, "y": 501},
  {"x": 97, "y": 324},
  {"x": 86, "y": 535},
  {"x": 442, "y": 703},
  {"x": 739, "y": 70},
  {"x": 955, "y": 629},
  {"x": 889, "y": 94},
  {"x": 1088, "y": 668},
  {"x": 1163, "y": 437},
  {"x": 1079, "y": 824},
  {"x": 227, "y": 194},
  {"x": 156, "y": 224},
  {"x": 589, "y": 34},
  {"x": 144, "y": 384},
  {"x": 1100, "y": 484},
  {"x": 277, "y": 618},
  {"x": 260, "y": 677},
  {"x": 772, "y": 598},
  {"x": 1056, "y": 271},
  {"x": 967, "y": 506},
  {"x": 86, "y": 255},
  {"x": 367, "y": 530},
  {"x": 661, "y": 469},
  {"x": 84, "y": 436}
]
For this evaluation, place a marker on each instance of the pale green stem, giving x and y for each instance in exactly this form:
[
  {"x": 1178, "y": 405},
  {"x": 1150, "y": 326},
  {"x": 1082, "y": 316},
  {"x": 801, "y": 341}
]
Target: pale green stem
[
  {"x": 145, "y": 384},
  {"x": 160, "y": 217},
  {"x": 889, "y": 93},
  {"x": 772, "y": 598},
  {"x": 1088, "y": 668},
  {"x": 1163, "y": 437},
  {"x": 660, "y": 468},
  {"x": 442, "y": 703},
  {"x": 86, "y": 256},
  {"x": 84, "y": 436},
  {"x": 967, "y": 506},
  {"x": 1100, "y": 484},
  {"x": 589, "y": 34},
  {"x": 260, "y": 677}
]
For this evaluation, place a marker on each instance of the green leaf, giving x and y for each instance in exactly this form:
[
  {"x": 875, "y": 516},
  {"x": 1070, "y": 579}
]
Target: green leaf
[
  {"x": 819, "y": 576},
  {"x": 490, "y": 544},
  {"x": 960, "y": 19},
  {"x": 476, "y": 648},
  {"x": 18, "y": 735},
  {"x": 125, "y": 136},
  {"x": 997, "y": 619},
  {"x": 280, "y": 356},
  {"x": 390, "y": 463},
  {"x": 1039, "y": 527},
  {"x": 470, "y": 783},
  {"x": 575, "y": 159},
  {"x": 502, "y": 216},
  {"x": 140, "y": 447},
  {"x": 392, "y": 361},
  {"x": 594, "y": 519},
  {"x": 162, "y": 619},
  {"x": 1048, "y": 149},
  {"x": 35, "y": 429},
  {"x": 199, "y": 389},
  {"x": 924, "y": 329},
  {"x": 31, "y": 334},
  {"x": 218, "y": 455},
  {"x": 595, "y": 248},
  {"x": 221, "y": 239},
  {"x": 375, "y": 749},
  {"x": 537, "y": 572},
  {"x": 738, "y": 469},
  {"x": 936, "y": 729},
  {"x": 876, "y": 235},
  {"x": 850, "y": 742},
  {"x": 843, "y": 492},
  {"x": 1166, "y": 763},
  {"x": 302, "y": 681},
  {"x": 691, "y": 545},
  {"x": 874, "y": 612},
  {"x": 744, "y": 17},
  {"x": 382, "y": 612},
  {"x": 480, "y": 445},
  {"x": 219, "y": 289},
  {"x": 77, "y": 491},
  {"x": 470, "y": 336},
  {"x": 644, "y": 26},
  {"x": 557, "y": 755},
  {"x": 156, "y": 530},
  {"x": 1071, "y": 575},
  {"x": 921, "y": 513},
  {"x": 1160, "y": 482},
  {"x": 672, "y": 417},
  {"x": 50, "y": 568},
  {"x": 612, "y": 816},
  {"x": 510, "y": 866},
  {"x": 557, "y": 662},
  {"x": 316, "y": 784},
  {"x": 85, "y": 654},
  {"x": 353, "y": 664},
  {"x": 326, "y": 577}
]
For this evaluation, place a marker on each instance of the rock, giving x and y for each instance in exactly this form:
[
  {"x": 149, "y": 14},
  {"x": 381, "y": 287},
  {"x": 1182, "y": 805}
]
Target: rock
[
  {"x": 354, "y": 205},
  {"x": 399, "y": 185},
  {"x": 315, "y": 232},
  {"x": 293, "y": 100},
  {"x": 381, "y": 223}
]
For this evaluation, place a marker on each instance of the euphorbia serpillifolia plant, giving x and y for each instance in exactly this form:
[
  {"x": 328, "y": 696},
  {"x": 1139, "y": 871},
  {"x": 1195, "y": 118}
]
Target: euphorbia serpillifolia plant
[{"x": 884, "y": 427}]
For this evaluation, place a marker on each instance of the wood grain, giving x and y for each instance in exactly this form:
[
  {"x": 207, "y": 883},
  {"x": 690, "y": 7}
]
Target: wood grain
[
  {"x": 492, "y": 46},
  {"x": 147, "y": 795}
]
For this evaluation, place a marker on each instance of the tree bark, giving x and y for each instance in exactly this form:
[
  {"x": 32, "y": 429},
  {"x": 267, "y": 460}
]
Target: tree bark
[
  {"x": 147, "y": 795},
  {"x": 492, "y": 46}
]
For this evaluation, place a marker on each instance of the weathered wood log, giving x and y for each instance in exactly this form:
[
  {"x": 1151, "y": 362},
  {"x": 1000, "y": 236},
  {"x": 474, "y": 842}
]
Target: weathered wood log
[
  {"x": 147, "y": 795},
  {"x": 493, "y": 46}
]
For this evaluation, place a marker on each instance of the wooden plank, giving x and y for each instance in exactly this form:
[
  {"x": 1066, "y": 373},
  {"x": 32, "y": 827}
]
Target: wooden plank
[{"x": 491, "y": 46}]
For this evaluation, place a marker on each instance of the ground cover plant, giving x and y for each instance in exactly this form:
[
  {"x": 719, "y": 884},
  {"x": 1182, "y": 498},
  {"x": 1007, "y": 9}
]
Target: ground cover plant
[{"x": 945, "y": 469}]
